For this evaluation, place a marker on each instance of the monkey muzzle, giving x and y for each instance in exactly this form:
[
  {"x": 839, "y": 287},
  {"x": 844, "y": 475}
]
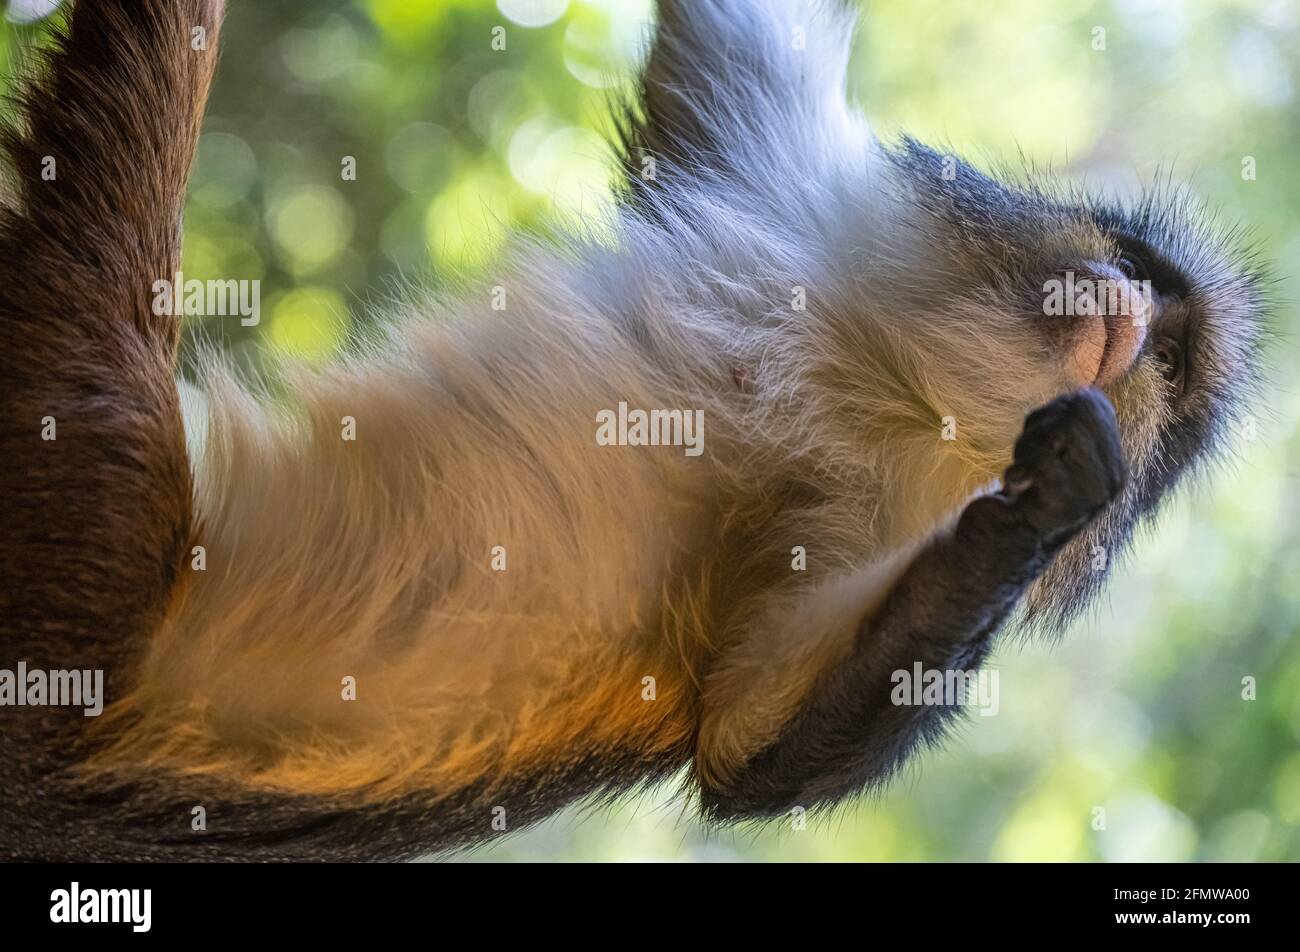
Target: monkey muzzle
[{"x": 1113, "y": 314}]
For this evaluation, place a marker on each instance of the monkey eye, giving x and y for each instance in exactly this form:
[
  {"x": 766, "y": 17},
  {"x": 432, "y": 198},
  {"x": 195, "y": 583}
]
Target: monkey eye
[
  {"x": 1169, "y": 355},
  {"x": 1134, "y": 267}
]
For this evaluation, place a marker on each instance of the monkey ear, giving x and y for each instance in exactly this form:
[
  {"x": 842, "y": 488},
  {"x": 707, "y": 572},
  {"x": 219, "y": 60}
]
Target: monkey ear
[{"x": 729, "y": 83}]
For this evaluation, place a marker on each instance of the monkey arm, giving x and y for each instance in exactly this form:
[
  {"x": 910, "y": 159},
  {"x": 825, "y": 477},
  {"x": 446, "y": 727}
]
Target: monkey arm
[{"x": 942, "y": 613}]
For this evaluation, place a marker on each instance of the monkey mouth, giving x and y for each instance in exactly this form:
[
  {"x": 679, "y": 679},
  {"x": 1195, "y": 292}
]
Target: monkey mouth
[
  {"x": 1123, "y": 342},
  {"x": 1104, "y": 349},
  {"x": 1108, "y": 341}
]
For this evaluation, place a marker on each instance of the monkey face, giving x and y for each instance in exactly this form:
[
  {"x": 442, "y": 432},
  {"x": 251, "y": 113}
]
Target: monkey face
[
  {"x": 1183, "y": 401},
  {"x": 1152, "y": 303}
]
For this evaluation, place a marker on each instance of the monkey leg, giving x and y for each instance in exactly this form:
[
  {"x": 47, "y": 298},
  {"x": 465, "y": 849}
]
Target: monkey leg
[{"x": 942, "y": 613}]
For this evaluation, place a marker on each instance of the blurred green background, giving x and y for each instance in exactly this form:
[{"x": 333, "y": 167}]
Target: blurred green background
[{"x": 1140, "y": 711}]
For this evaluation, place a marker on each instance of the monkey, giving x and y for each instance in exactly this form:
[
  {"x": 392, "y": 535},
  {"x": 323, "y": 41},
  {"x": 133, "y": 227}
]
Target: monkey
[{"x": 450, "y": 584}]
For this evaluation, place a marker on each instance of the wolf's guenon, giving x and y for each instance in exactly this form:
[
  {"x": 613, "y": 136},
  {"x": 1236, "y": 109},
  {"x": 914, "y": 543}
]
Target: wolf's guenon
[{"x": 900, "y": 451}]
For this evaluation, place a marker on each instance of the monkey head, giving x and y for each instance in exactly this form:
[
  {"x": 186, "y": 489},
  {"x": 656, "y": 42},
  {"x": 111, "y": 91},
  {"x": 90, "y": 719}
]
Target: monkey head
[{"x": 1153, "y": 302}]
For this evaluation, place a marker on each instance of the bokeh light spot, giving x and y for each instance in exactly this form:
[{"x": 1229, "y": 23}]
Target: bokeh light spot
[
  {"x": 311, "y": 226},
  {"x": 309, "y": 323},
  {"x": 532, "y": 13},
  {"x": 466, "y": 225}
]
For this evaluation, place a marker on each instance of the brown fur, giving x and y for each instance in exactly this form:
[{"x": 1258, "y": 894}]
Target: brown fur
[{"x": 97, "y": 520}]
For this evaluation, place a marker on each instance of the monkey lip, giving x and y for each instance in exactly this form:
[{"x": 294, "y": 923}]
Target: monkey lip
[
  {"x": 1105, "y": 349},
  {"x": 1108, "y": 342},
  {"x": 1123, "y": 342}
]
